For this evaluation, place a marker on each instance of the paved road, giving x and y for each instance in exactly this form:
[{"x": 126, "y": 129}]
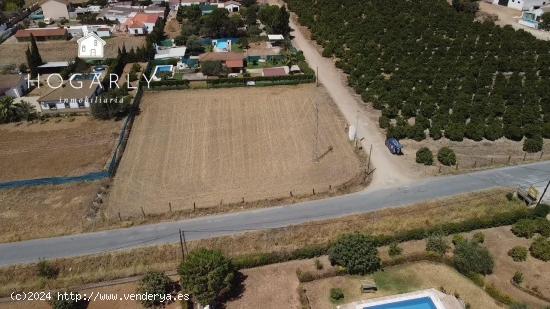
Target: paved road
[{"x": 266, "y": 218}]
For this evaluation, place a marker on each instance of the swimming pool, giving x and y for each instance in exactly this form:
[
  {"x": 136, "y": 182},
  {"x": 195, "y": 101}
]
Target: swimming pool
[
  {"x": 166, "y": 69},
  {"x": 415, "y": 303}
]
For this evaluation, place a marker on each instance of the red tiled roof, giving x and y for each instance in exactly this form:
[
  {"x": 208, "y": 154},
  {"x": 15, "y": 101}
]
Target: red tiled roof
[
  {"x": 274, "y": 72},
  {"x": 41, "y": 32},
  {"x": 234, "y": 63},
  {"x": 145, "y": 18}
]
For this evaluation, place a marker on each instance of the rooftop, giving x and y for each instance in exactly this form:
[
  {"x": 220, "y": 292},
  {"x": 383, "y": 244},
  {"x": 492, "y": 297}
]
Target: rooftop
[
  {"x": 40, "y": 32},
  {"x": 274, "y": 72},
  {"x": 234, "y": 63},
  {"x": 275, "y": 37},
  {"x": 69, "y": 92},
  {"x": 8, "y": 81}
]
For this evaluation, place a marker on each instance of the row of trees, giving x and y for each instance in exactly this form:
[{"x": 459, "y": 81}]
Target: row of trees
[{"x": 424, "y": 60}]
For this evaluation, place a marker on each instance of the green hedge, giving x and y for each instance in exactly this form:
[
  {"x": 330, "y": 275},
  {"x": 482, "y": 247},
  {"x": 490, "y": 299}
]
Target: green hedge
[
  {"x": 307, "y": 252},
  {"x": 303, "y": 78}
]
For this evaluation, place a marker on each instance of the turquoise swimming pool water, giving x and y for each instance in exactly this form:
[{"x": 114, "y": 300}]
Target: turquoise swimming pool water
[
  {"x": 164, "y": 68},
  {"x": 417, "y": 303},
  {"x": 222, "y": 45}
]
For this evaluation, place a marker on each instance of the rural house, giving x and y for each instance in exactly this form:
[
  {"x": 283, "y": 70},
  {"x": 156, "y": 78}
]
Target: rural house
[
  {"x": 55, "y": 10},
  {"x": 68, "y": 97},
  {"x": 91, "y": 46},
  {"x": 231, "y": 6},
  {"x": 532, "y": 18},
  {"x": 522, "y": 5},
  {"x": 142, "y": 23},
  {"x": 41, "y": 34},
  {"x": 13, "y": 85}
]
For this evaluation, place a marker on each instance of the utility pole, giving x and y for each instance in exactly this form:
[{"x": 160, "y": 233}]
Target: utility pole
[
  {"x": 316, "y": 136},
  {"x": 356, "y": 127},
  {"x": 543, "y": 192},
  {"x": 181, "y": 245},
  {"x": 370, "y": 155},
  {"x": 184, "y": 242}
]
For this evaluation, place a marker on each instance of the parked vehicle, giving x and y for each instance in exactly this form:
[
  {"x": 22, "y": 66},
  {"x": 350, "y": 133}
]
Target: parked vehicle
[{"x": 394, "y": 146}]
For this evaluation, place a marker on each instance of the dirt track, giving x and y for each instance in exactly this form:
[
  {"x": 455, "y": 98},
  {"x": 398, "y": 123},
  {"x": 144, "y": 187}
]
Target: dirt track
[
  {"x": 390, "y": 170},
  {"x": 208, "y": 146},
  {"x": 64, "y": 148}
]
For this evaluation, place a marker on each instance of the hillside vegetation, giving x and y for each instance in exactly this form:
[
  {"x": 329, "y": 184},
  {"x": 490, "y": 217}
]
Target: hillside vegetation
[{"x": 424, "y": 60}]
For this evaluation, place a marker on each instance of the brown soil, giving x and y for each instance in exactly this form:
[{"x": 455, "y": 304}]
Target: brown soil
[
  {"x": 13, "y": 52},
  {"x": 59, "y": 147},
  {"x": 44, "y": 211},
  {"x": 213, "y": 147}
]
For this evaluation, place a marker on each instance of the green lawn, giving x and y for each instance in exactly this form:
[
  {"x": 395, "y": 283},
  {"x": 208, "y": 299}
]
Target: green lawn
[{"x": 396, "y": 282}]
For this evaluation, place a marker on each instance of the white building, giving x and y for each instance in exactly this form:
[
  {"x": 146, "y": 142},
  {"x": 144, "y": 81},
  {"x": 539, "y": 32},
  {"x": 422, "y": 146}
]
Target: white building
[
  {"x": 522, "y": 5},
  {"x": 13, "y": 85},
  {"x": 231, "y": 6},
  {"x": 532, "y": 18},
  {"x": 70, "y": 97},
  {"x": 170, "y": 53},
  {"x": 91, "y": 46},
  {"x": 55, "y": 10}
]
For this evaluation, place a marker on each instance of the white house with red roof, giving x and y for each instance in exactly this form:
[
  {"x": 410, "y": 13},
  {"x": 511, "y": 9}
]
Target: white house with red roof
[{"x": 142, "y": 23}]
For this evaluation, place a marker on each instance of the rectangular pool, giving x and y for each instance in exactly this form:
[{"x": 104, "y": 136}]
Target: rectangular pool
[{"x": 415, "y": 303}]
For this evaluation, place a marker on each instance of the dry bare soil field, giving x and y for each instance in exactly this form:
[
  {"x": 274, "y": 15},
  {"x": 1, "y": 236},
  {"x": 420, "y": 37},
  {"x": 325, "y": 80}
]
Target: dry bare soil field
[
  {"x": 222, "y": 145},
  {"x": 13, "y": 52},
  {"x": 58, "y": 147},
  {"x": 45, "y": 211}
]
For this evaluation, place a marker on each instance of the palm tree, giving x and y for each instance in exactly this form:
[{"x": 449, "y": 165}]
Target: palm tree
[
  {"x": 25, "y": 110},
  {"x": 8, "y": 110}
]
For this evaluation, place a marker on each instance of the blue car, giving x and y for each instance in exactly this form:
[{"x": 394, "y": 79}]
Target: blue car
[{"x": 394, "y": 146}]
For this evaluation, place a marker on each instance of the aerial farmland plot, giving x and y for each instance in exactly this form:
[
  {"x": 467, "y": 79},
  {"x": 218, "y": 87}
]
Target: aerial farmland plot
[
  {"x": 218, "y": 146},
  {"x": 69, "y": 146}
]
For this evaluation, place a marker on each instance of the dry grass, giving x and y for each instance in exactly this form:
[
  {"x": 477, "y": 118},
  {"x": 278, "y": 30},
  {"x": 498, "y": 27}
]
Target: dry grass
[
  {"x": 172, "y": 28},
  {"x": 473, "y": 155},
  {"x": 45, "y": 211},
  {"x": 78, "y": 271},
  {"x": 220, "y": 146},
  {"x": 60, "y": 147},
  {"x": 13, "y": 52}
]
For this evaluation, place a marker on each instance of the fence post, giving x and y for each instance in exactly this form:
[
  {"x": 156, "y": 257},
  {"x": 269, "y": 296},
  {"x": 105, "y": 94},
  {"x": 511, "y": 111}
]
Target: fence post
[
  {"x": 475, "y": 164},
  {"x": 194, "y": 206},
  {"x": 509, "y": 158},
  {"x": 143, "y": 212},
  {"x": 119, "y": 217},
  {"x": 541, "y": 154},
  {"x": 170, "y": 206},
  {"x": 524, "y": 156}
]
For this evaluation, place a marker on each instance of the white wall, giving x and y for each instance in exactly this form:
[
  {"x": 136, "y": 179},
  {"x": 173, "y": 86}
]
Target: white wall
[{"x": 522, "y": 5}]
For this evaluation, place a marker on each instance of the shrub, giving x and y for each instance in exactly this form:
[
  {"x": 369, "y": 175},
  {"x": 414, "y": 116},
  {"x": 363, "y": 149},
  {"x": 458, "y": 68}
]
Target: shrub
[
  {"x": 336, "y": 294},
  {"x": 207, "y": 275},
  {"x": 529, "y": 227},
  {"x": 68, "y": 302},
  {"x": 356, "y": 252},
  {"x": 424, "y": 156},
  {"x": 394, "y": 249},
  {"x": 478, "y": 237},
  {"x": 518, "y": 277},
  {"x": 542, "y": 210},
  {"x": 533, "y": 144},
  {"x": 46, "y": 270},
  {"x": 446, "y": 156},
  {"x": 384, "y": 122},
  {"x": 518, "y": 253},
  {"x": 304, "y": 276},
  {"x": 498, "y": 295},
  {"x": 540, "y": 249},
  {"x": 213, "y": 68},
  {"x": 470, "y": 257},
  {"x": 458, "y": 239},
  {"x": 155, "y": 283},
  {"x": 436, "y": 243}
]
